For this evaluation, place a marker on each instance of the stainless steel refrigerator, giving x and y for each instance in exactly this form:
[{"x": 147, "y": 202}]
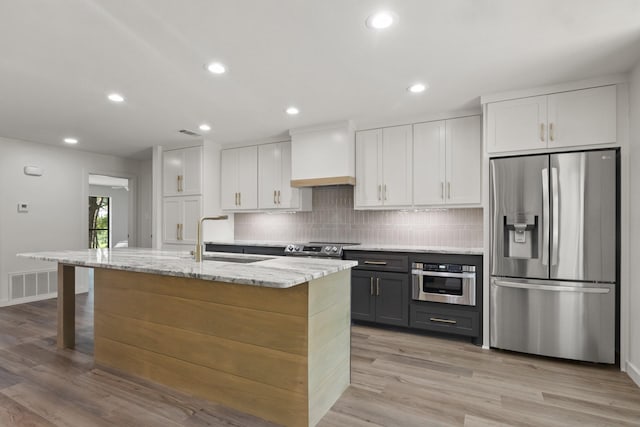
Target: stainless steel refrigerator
[{"x": 554, "y": 254}]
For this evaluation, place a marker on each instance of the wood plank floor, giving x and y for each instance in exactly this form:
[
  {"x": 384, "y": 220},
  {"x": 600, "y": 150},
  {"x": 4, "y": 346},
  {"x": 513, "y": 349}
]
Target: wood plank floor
[{"x": 398, "y": 379}]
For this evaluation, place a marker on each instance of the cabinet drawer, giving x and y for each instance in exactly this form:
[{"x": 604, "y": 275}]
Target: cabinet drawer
[
  {"x": 447, "y": 320},
  {"x": 379, "y": 261}
]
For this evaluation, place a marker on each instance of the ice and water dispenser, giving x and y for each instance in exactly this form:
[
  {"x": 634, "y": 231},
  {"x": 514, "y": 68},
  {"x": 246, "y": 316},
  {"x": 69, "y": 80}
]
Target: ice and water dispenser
[{"x": 520, "y": 236}]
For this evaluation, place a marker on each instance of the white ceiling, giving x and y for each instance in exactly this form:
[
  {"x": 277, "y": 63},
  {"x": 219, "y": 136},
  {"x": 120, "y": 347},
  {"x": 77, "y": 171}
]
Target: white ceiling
[{"x": 59, "y": 59}]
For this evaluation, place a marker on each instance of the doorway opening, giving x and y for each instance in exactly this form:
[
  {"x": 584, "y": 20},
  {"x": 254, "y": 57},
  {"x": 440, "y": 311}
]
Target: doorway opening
[{"x": 99, "y": 222}]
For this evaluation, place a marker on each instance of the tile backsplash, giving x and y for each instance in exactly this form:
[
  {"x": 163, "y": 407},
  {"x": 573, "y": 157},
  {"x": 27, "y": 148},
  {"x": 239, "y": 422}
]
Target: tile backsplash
[{"x": 333, "y": 219}]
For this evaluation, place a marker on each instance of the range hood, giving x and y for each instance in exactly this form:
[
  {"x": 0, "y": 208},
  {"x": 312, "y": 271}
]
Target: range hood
[{"x": 323, "y": 155}]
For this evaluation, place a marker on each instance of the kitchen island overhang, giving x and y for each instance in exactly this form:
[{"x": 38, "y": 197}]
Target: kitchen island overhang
[{"x": 275, "y": 348}]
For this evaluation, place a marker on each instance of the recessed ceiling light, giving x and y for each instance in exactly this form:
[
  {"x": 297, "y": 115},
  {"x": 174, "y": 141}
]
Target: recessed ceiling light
[
  {"x": 292, "y": 111},
  {"x": 115, "y": 97},
  {"x": 216, "y": 68},
  {"x": 417, "y": 88},
  {"x": 204, "y": 127},
  {"x": 380, "y": 20},
  {"x": 71, "y": 140}
]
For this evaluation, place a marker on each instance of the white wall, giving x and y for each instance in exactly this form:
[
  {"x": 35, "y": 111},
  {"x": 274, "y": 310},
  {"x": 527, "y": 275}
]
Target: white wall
[
  {"x": 119, "y": 210},
  {"x": 633, "y": 364},
  {"x": 145, "y": 200},
  {"x": 57, "y": 217},
  {"x": 213, "y": 230}
]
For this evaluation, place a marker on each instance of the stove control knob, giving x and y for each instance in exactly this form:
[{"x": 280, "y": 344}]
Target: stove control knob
[
  {"x": 334, "y": 249},
  {"x": 327, "y": 249},
  {"x": 289, "y": 248},
  {"x": 298, "y": 248}
]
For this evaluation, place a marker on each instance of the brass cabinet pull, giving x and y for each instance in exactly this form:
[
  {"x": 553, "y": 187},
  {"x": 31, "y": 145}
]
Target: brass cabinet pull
[
  {"x": 436, "y": 319},
  {"x": 551, "y": 131},
  {"x": 235, "y": 202},
  {"x": 177, "y": 231},
  {"x": 542, "y": 132},
  {"x": 240, "y": 199},
  {"x": 379, "y": 192},
  {"x": 375, "y": 262},
  {"x": 278, "y": 196},
  {"x": 180, "y": 180},
  {"x": 442, "y": 190},
  {"x": 385, "y": 192},
  {"x": 274, "y": 197},
  {"x": 448, "y": 190},
  {"x": 377, "y": 286},
  {"x": 371, "y": 287}
]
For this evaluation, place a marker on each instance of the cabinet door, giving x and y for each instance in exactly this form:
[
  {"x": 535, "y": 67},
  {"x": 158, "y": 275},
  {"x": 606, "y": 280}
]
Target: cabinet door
[
  {"x": 429, "y": 157},
  {"x": 392, "y": 298},
  {"x": 397, "y": 165},
  {"x": 368, "y": 189},
  {"x": 172, "y": 167},
  {"x": 191, "y": 213},
  {"x": 582, "y": 117},
  {"x": 229, "y": 179},
  {"x": 518, "y": 124},
  {"x": 289, "y": 197},
  {"x": 248, "y": 177},
  {"x": 362, "y": 295},
  {"x": 192, "y": 171},
  {"x": 171, "y": 220},
  {"x": 464, "y": 157},
  {"x": 269, "y": 175}
]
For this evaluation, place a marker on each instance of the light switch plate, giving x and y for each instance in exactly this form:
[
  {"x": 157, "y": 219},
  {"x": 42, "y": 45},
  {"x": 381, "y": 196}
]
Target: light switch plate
[{"x": 23, "y": 207}]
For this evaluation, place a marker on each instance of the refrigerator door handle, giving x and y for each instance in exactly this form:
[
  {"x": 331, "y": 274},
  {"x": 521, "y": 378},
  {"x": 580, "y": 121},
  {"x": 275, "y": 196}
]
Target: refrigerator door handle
[
  {"x": 545, "y": 216},
  {"x": 532, "y": 286},
  {"x": 555, "y": 206}
]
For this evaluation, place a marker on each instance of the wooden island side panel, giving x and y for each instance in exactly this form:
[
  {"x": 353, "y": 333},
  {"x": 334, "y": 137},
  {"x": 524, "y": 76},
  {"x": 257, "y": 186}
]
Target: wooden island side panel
[{"x": 280, "y": 354}]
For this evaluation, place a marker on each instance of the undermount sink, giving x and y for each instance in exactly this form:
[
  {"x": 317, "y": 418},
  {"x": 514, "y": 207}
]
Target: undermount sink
[{"x": 240, "y": 260}]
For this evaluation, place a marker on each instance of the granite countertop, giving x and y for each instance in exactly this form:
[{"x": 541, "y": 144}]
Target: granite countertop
[
  {"x": 268, "y": 271},
  {"x": 369, "y": 247},
  {"x": 274, "y": 243},
  {"x": 417, "y": 249}
]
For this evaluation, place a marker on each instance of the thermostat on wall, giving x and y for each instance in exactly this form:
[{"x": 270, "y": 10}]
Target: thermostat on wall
[
  {"x": 23, "y": 207},
  {"x": 33, "y": 170}
]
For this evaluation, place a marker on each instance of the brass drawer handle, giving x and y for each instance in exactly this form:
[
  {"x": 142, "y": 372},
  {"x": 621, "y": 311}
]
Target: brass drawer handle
[
  {"x": 436, "y": 319},
  {"x": 375, "y": 262}
]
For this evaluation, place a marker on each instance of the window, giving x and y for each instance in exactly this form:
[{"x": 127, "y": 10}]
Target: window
[{"x": 99, "y": 212}]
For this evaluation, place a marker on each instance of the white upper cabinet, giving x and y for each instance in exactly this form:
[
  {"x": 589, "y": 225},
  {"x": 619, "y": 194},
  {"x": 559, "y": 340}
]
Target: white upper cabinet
[
  {"x": 582, "y": 117},
  {"x": 239, "y": 178},
  {"x": 274, "y": 179},
  {"x": 517, "y": 124},
  {"x": 384, "y": 167},
  {"x": 567, "y": 119},
  {"x": 447, "y": 158},
  {"x": 182, "y": 172},
  {"x": 429, "y": 163},
  {"x": 464, "y": 154}
]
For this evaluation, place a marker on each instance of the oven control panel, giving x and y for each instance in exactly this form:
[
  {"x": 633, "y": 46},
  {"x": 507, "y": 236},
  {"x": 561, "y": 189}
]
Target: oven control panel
[
  {"x": 445, "y": 268},
  {"x": 320, "y": 250}
]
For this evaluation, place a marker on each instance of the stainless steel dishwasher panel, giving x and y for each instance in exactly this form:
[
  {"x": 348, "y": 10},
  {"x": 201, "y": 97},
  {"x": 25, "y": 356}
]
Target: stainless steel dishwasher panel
[{"x": 570, "y": 320}]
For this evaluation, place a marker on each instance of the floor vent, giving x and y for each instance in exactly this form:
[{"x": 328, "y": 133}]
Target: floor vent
[{"x": 32, "y": 284}]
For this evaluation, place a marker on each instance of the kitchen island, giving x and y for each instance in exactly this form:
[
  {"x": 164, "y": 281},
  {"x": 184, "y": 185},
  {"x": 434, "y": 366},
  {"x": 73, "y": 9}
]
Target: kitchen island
[{"x": 269, "y": 336}]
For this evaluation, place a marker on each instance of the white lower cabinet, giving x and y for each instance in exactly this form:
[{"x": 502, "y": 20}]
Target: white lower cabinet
[
  {"x": 447, "y": 156},
  {"x": 180, "y": 219}
]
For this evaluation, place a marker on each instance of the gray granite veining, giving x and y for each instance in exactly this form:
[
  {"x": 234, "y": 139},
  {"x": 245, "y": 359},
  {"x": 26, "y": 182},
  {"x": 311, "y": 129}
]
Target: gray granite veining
[
  {"x": 273, "y": 272},
  {"x": 417, "y": 249}
]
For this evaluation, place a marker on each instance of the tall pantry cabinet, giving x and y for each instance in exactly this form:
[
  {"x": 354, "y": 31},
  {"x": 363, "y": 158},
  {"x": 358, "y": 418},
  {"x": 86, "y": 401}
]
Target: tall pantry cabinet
[{"x": 181, "y": 195}]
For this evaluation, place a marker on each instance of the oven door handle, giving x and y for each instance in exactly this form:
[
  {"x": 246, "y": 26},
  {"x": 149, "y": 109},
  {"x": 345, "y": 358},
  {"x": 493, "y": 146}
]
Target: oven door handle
[{"x": 466, "y": 275}]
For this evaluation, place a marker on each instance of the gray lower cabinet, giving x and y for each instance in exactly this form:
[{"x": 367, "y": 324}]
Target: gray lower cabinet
[
  {"x": 380, "y": 297},
  {"x": 447, "y": 319}
]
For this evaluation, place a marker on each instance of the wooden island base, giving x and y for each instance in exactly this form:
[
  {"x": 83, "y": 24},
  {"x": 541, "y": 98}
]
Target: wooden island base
[{"x": 280, "y": 354}]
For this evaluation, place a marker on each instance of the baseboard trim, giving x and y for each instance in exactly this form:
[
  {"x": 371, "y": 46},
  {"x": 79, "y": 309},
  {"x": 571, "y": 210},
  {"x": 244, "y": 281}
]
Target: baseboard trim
[{"x": 633, "y": 372}]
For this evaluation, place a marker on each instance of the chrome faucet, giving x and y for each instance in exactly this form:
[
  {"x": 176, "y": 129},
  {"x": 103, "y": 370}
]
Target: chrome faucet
[{"x": 198, "y": 252}]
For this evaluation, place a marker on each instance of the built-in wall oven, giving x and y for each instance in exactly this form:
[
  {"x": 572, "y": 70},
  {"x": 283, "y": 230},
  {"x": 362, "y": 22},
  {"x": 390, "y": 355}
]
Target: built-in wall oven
[{"x": 445, "y": 283}]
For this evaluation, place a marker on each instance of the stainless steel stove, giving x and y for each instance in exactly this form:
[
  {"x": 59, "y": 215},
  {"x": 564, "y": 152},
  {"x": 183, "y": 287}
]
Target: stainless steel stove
[{"x": 317, "y": 249}]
